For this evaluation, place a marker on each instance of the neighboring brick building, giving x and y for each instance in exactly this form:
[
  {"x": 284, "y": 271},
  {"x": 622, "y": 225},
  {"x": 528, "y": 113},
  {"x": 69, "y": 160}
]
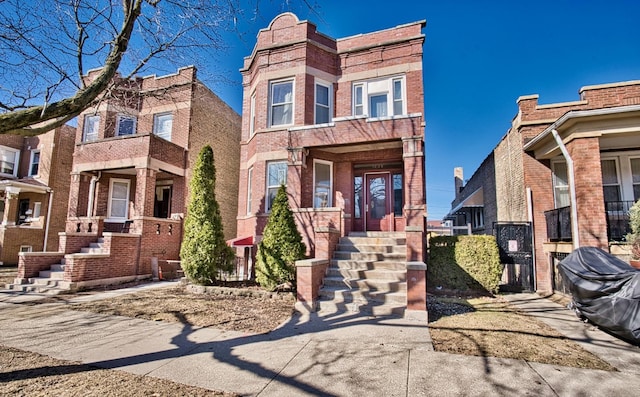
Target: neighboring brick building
[
  {"x": 534, "y": 181},
  {"x": 34, "y": 191},
  {"x": 341, "y": 123},
  {"x": 132, "y": 163}
]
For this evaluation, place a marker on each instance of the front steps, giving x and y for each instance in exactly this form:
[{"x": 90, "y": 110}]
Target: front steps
[
  {"x": 367, "y": 274},
  {"x": 51, "y": 282}
]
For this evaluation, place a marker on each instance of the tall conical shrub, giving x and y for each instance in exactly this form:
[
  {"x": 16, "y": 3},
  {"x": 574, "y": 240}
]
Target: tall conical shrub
[
  {"x": 280, "y": 247},
  {"x": 204, "y": 251}
]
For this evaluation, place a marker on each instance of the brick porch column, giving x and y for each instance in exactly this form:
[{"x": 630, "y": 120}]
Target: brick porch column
[
  {"x": 74, "y": 195},
  {"x": 309, "y": 278},
  {"x": 145, "y": 191},
  {"x": 10, "y": 209}
]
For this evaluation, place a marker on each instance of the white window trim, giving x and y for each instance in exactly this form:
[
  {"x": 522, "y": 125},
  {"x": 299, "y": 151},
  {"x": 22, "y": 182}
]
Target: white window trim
[
  {"x": 156, "y": 125},
  {"x": 111, "y": 182},
  {"x": 37, "y": 210},
  {"x": 330, "y": 196},
  {"x": 85, "y": 128},
  {"x": 126, "y": 116},
  {"x": 367, "y": 94},
  {"x": 329, "y": 88},
  {"x": 26, "y": 248},
  {"x": 16, "y": 162},
  {"x": 252, "y": 115},
  {"x": 31, "y": 163},
  {"x": 618, "y": 175},
  {"x": 268, "y": 201},
  {"x": 293, "y": 101},
  {"x": 249, "y": 189},
  {"x": 553, "y": 181}
]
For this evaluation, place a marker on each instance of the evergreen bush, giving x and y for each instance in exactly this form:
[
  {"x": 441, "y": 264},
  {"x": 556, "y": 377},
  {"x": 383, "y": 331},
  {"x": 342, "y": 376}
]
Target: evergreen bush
[
  {"x": 204, "y": 250},
  {"x": 281, "y": 246}
]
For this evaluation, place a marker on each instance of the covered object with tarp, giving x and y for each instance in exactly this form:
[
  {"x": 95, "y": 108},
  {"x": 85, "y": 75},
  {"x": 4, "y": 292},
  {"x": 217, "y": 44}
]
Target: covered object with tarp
[{"x": 605, "y": 289}]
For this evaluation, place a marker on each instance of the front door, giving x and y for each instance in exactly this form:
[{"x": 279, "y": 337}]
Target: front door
[{"x": 377, "y": 201}]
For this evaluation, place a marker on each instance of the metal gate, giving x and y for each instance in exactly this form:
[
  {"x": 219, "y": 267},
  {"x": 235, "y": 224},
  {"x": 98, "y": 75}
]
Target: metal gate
[{"x": 516, "y": 254}]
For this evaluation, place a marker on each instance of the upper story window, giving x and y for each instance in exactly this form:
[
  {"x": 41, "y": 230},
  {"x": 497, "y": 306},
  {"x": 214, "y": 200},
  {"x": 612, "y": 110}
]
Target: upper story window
[
  {"x": 162, "y": 125},
  {"x": 276, "y": 176},
  {"x": 281, "y": 103},
  {"x": 379, "y": 98},
  {"x": 323, "y": 103},
  {"x": 34, "y": 164},
  {"x": 252, "y": 115},
  {"x": 91, "y": 125},
  {"x": 126, "y": 125},
  {"x": 8, "y": 161}
]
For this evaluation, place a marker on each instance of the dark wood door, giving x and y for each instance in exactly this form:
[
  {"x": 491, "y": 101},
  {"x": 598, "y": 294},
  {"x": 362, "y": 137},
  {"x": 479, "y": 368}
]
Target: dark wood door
[{"x": 377, "y": 201}]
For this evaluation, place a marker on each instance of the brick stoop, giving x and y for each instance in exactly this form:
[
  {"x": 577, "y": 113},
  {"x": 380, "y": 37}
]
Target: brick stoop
[
  {"x": 51, "y": 282},
  {"x": 367, "y": 274}
]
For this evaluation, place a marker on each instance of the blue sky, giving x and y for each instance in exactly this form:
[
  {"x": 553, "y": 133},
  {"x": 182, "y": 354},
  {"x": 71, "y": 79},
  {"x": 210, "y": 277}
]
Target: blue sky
[{"x": 479, "y": 57}]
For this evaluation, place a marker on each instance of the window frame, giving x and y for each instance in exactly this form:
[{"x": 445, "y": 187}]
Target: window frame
[
  {"x": 329, "y": 199},
  {"x": 110, "y": 216},
  {"x": 91, "y": 120},
  {"x": 37, "y": 210},
  {"x": 26, "y": 248},
  {"x": 120, "y": 118},
  {"x": 249, "y": 189},
  {"x": 328, "y": 106},
  {"x": 385, "y": 86},
  {"x": 633, "y": 184},
  {"x": 252, "y": 115},
  {"x": 156, "y": 124},
  {"x": 16, "y": 160},
  {"x": 618, "y": 177},
  {"x": 273, "y": 84},
  {"x": 556, "y": 186},
  {"x": 269, "y": 187},
  {"x": 35, "y": 152}
]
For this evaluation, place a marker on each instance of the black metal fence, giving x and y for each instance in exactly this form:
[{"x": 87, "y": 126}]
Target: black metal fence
[
  {"x": 558, "y": 224},
  {"x": 618, "y": 219}
]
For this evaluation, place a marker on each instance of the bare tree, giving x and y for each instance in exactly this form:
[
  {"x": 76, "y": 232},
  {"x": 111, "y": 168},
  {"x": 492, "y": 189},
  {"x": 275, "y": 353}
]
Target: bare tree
[{"x": 46, "y": 48}]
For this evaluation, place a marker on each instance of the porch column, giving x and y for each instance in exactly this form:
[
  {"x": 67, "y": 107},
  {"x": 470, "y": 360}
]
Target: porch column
[
  {"x": 145, "y": 191},
  {"x": 592, "y": 220},
  {"x": 74, "y": 195},
  {"x": 414, "y": 197},
  {"x": 10, "y": 208},
  {"x": 297, "y": 160}
]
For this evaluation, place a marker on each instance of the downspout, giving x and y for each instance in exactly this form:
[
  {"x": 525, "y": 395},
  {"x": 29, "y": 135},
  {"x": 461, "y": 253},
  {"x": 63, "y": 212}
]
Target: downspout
[
  {"x": 46, "y": 227},
  {"x": 92, "y": 193},
  {"x": 533, "y": 235},
  {"x": 572, "y": 189}
]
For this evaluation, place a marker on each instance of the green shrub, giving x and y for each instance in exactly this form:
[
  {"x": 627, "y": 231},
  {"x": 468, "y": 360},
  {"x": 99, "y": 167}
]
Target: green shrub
[
  {"x": 281, "y": 246},
  {"x": 464, "y": 263},
  {"x": 204, "y": 250}
]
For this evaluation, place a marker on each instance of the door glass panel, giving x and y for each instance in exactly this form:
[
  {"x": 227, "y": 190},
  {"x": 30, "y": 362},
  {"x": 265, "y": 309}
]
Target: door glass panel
[
  {"x": 377, "y": 197},
  {"x": 357, "y": 197}
]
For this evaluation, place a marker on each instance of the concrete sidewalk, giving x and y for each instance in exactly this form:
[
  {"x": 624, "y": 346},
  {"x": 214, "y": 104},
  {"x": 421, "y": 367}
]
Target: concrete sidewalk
[{"x": 317, "y": 354}]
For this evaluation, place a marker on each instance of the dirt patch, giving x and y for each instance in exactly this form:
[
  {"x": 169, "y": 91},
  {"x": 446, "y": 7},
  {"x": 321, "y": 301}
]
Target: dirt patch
[
  {"x": 247, "y": 310},
  {"x": 7, "y": 275},
  {"x": 490, "y": 327},
  {"x": 30, "y": 374}
]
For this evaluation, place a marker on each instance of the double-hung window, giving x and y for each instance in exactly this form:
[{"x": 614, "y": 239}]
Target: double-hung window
[
  {"x": 162, "y": 125},
  {"x": 91, "y": 125},
  {"x": 610, "y": 180},
  {"x": 118, "y": 199},
  {"x": 322, "y": 184},
  {"x": 249, "y": 190},
  {"x": 323, "y": 103},
  {"x": 34, "y": 164},
  {"x": 252, "y": 115},
  {"x": 379, "y": 98},
  {"x": 560, "y": 184},
  {"x": 126, "y": 125},
  {"x": 281, "y": 103},
  {"x": 8, "y": 161},
  {"x": 635, "y": 177},
  {"x": 276, "y": 176}
]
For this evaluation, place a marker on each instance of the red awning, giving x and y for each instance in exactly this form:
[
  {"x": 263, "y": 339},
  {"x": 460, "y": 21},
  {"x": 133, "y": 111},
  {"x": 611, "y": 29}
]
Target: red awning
[{"x": 241, "y": 242}]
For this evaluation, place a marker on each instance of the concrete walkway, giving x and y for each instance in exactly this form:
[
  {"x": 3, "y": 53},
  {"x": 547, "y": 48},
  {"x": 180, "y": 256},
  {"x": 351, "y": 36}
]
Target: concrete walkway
[{"x": 317, "y": 354}]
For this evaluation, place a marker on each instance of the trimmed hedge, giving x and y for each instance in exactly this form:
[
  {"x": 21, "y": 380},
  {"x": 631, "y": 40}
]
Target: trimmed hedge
[{"x": 464, "y": 263}]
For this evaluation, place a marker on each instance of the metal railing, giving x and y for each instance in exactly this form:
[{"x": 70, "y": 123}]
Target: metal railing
[
  {"x": 558, "y": 224},
  {"x": 617, "y": 213}
]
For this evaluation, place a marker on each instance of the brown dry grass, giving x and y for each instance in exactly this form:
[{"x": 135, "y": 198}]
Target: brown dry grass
[
  {"x": 496, "y": 329},
  {"x": 7, "y": 274}
]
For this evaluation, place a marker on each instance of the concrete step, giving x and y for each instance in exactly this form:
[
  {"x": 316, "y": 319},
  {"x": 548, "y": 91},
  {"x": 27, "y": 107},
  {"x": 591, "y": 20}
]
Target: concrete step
[
  {"x": 367, "y": 265},
  {"x": 365, "y": 284},
  {"x": 91, "y": 250},
  {"x": 96, "y": 245},
  {"x": 342, "y": 294},
  {"x": 395, "y": 249},
  {"x": 378, "y": 234},
  {"x": 370, "y": 256},
  {"x": 372, "y": 240},
  {"x": 52, "y": 274},
  {"x": 37, "y": 288},
  {"x": 371, "y": 274},
  {"x": 339, "y": 300},
  {"x": 57, "y": 268}
]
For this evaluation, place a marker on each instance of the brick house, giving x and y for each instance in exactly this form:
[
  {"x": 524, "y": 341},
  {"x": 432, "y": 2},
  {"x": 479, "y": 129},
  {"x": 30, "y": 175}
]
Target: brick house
[
  {"x": 34, "y": 179},
  {"x": 129, "y": 182},
  {"x": 571, "y": 169},
  {"x": 340, "y": 122}
]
